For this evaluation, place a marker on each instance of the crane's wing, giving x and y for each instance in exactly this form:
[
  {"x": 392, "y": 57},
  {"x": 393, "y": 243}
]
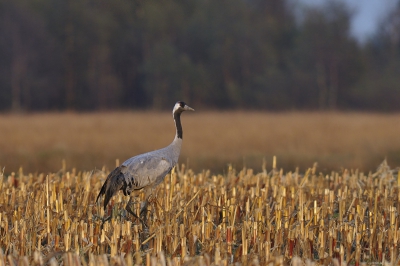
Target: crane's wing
[
  {"x": 135, "y": 173},
  {"x": 146, "y": 170}
]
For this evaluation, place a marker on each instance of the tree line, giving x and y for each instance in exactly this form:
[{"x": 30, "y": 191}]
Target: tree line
[{"x": 246, "y": 54}]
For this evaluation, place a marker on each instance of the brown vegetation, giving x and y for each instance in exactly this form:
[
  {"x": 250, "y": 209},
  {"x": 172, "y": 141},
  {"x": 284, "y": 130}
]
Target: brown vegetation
[
  {"x": 39, "y": 142},
  {"x": 203, "y": 219}
]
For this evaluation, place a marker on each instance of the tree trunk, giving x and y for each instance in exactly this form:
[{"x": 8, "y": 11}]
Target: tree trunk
[
  {"x": 322, "y": 87},
  {"x": 70, "y": 82},
  {"x": 18, "y": 67},
  {"x": 333, "y": 85}
]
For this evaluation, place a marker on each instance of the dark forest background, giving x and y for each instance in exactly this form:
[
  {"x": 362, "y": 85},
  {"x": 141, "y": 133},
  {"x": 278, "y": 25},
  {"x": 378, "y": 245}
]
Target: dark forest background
[{"x": 247, "y": 54}]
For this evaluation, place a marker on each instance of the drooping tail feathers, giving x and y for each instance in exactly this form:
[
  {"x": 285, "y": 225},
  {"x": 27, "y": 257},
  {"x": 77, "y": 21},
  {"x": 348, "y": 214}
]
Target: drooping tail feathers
[{"x": 114, "y": 182}]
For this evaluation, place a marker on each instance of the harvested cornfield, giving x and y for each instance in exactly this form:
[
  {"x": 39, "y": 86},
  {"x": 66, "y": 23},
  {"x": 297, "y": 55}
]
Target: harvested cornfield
[{"x": 270, "y": 217}]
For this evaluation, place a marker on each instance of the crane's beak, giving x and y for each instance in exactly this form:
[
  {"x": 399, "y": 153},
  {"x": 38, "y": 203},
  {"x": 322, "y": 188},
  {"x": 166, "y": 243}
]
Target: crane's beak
[{"x": 188, "y": 108}]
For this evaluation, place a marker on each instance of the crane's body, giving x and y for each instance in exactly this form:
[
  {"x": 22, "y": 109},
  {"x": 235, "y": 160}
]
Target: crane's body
[
  {"x": 146, "y": 170},
  {"x": 142, "y": 171},
  {"x": 149, "y": 169}
]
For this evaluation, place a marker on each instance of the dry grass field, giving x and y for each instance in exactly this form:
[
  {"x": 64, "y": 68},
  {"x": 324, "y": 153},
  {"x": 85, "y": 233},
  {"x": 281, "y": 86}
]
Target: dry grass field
[
  {"x": 39, "y": 142},
  {"x": 240, "y": 218}
]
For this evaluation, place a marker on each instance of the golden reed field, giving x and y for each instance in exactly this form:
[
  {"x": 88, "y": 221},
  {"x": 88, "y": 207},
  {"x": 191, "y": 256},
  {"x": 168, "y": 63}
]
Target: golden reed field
[
  {"x": 248, "y": 210},
  {"x": 39, "y": 142}
]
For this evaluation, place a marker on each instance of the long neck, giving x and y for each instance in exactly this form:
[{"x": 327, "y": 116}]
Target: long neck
[{"x": 179, "y": 132}]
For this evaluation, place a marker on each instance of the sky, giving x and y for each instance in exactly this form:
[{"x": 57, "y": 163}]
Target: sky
[{"x": 368, "y": 14}]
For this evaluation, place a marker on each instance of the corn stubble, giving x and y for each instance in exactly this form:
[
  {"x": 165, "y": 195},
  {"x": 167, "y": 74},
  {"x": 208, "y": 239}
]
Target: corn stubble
[{"x": 202, "y": 219}]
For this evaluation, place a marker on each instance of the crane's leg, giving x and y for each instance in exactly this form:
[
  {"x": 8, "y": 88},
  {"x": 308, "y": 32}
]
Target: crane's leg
[
  {"x": 128, "y": 208},
  {"x": 103, "y": 221},
  {"x": 143, "y": 209},
  {"x": 148, "y": 195}
]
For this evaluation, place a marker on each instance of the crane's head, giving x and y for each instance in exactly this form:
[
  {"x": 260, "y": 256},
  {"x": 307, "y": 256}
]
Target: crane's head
[{"x": 180, "y": 107}]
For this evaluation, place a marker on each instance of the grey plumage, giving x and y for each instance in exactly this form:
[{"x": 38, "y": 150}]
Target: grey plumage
[{"x": 146, "y": 170}]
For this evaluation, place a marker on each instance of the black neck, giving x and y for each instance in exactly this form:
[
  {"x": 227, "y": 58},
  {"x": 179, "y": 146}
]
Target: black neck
[{"x": 177, "y": 118}]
